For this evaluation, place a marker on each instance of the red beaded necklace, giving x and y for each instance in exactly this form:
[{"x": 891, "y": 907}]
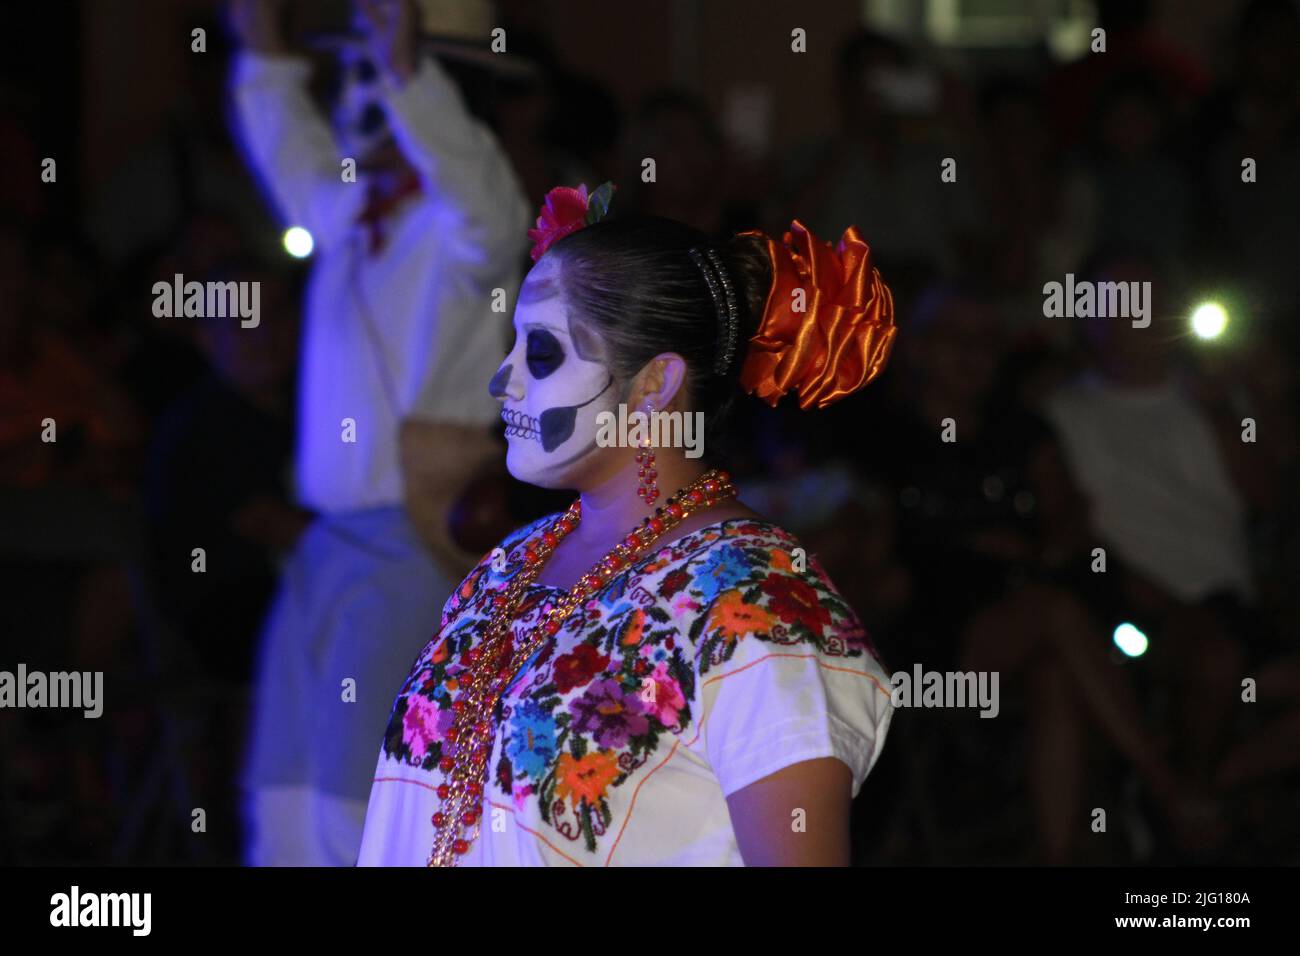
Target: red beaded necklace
[{"x": 495, "y": 662}]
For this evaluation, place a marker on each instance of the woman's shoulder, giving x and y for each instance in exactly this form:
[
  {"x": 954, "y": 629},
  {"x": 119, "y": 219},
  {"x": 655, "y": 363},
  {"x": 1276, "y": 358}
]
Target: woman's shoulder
[
  {"x": 749, "y": 578},
  {"x": 760, "y": 540}
]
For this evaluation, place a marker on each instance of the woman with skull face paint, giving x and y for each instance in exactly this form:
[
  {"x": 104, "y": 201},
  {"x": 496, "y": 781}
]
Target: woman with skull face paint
[{"x": 635, "y": 681}]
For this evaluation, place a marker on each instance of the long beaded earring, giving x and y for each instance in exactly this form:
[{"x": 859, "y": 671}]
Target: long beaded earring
[{"x": 646, "y": 489}]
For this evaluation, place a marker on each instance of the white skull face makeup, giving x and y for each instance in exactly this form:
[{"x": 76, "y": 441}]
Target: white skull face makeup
[
  {"x": 553, "y": 384},
  {"x": 360, "y": 123}
]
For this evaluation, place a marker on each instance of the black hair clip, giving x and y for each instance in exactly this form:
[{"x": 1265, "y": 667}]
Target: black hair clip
[{"x": 724, "y": 302}]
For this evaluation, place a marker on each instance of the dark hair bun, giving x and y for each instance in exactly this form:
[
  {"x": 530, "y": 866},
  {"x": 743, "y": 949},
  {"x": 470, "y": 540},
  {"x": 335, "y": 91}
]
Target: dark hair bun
[{"x": 633, "y": 280}]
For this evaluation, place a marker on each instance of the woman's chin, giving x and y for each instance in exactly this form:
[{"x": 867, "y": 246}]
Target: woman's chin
[{"x": 530, "y": 472}]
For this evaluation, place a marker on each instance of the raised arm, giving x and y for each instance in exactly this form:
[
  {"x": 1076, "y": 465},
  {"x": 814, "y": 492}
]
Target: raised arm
[
  {"x": 289, "y": 145},
  {"x": 459, "y": 158}
]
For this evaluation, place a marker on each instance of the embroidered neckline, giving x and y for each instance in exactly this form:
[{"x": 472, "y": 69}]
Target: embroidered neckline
[{"x": 679, "y": 543}]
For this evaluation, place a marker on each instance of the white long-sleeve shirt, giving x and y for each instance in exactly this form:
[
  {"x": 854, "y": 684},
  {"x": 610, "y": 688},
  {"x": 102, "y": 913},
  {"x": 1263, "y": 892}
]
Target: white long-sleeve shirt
[{"x": 410, "y": 331}]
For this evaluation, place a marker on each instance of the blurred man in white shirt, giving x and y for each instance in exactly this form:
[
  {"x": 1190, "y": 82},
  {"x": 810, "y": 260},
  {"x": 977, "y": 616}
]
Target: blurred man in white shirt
[{"x": 404, "y": 324}]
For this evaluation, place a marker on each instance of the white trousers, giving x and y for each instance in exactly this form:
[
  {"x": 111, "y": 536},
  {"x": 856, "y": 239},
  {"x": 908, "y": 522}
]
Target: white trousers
[{"x": 359, "y": 599}]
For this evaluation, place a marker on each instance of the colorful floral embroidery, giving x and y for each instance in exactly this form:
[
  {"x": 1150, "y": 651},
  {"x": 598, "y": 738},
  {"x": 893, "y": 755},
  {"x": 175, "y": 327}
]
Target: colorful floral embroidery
[
  {"x": 577, "y": 668},
  {"x": 621, "y": 680},
  {"x": 532, "y": 740}
]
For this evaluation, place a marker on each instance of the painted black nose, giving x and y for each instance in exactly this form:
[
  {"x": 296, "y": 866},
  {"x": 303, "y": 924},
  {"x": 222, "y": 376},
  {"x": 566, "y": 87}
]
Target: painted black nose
[{"x": 497, "y": 387}]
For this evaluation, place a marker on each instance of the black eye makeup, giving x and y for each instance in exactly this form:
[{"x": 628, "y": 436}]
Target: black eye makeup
[{"x": 544, "y": 353}]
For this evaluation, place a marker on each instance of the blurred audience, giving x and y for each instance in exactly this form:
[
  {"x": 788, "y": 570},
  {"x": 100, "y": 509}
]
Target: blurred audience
[
  {"x": 237, "y": 507},
  {"x": 691, "y": 158},
  {"x": 1124, "y": 185},
  {"x": 996, "y": 537},
  {"x": 881, "y": 164},
  {"x": 1250, "y": 228},
  {"x": 1164, "y": 505},
  {"x": 1131, "y": 42},
  {"x": 976, "y": 553}
]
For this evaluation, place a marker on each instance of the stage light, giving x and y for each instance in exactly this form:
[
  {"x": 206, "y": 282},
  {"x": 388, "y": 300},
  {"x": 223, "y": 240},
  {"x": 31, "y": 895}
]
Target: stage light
[
  {"x": 1130, "y": 640},
  {"x": 298, "y": 242},
  {"x": 1209, "y": 319}
]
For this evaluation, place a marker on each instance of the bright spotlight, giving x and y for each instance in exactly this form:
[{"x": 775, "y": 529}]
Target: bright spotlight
[
  {"x": 1130, "y": 640},
  {"x": 1209, "y": 320},
  {"x": 298, "y": 242}
]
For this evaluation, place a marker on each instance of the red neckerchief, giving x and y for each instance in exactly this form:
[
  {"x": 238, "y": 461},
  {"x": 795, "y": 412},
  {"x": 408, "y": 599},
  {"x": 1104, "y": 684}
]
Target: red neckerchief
[{"x": 379, "y": 205}]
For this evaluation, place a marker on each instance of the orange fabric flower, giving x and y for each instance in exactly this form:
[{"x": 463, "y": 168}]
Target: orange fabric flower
[{"x": 842, "y": 339}]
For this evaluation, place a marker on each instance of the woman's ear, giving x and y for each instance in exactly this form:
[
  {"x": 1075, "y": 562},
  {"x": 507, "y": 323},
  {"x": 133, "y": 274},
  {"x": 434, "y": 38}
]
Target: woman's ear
[{"x": 659, "y": 382}]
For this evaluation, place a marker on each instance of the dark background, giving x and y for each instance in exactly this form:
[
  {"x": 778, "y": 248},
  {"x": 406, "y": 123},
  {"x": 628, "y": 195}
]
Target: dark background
[{"x": 1067, "y": 163}]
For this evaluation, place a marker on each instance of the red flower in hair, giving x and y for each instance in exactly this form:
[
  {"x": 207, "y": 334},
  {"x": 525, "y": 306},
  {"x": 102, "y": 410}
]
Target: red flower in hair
[{"x": 565, "y": 211}]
